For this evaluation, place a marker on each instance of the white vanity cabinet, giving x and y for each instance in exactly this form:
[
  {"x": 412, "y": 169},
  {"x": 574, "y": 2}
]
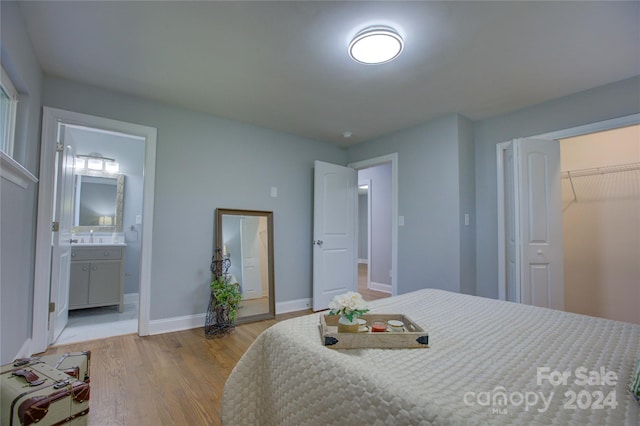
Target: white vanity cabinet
[{"x": 97, "y": 276}]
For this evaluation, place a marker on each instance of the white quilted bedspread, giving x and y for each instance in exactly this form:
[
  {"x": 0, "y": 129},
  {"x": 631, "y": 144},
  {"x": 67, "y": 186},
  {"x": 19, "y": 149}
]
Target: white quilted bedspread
[{"x": 481, "y": 351}]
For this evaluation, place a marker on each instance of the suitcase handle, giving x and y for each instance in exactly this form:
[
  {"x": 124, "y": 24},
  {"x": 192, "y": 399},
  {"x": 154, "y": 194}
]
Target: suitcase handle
[{"x": 31, "y": 377}]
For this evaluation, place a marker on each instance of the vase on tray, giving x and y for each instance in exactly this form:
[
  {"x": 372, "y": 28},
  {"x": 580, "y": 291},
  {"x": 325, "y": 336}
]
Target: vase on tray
[{"x": 346, "y": 325}]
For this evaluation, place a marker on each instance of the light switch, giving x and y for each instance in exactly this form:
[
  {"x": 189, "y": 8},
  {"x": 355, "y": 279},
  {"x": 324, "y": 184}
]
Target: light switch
[
  {"x": 466, "y": 219},
  {"x": 400, "y": 220},
  {"x": 138, "y": 219},
  {"x": 274, "y": 191}
]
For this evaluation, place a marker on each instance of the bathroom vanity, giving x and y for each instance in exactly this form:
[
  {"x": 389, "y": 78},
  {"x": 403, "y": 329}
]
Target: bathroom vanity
[{"x": 97, "y": 276}]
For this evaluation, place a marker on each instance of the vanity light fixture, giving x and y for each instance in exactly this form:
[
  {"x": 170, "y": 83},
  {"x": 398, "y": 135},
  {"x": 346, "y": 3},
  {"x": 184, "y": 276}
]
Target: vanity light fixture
[
  {"x": 96, "y": 162},
  {"x": 376, "y": 45},
  {"x": 112, "y": 166}
]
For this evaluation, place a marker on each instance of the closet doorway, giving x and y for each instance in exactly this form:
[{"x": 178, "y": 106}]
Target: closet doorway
[
  {"x": 600, "y": 218},
  {"x": 601, "y": 223}
]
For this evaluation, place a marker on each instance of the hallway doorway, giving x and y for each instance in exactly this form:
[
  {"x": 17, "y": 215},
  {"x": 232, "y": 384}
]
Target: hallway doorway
[{"x": 375, "y": 229}]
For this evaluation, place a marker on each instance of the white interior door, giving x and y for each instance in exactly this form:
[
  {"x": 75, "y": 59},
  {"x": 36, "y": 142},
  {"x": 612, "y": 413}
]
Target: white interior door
[
  {"x": 540, "y": 222},
  {"x": 61, "y": 241},
  {"x": 251, "y": 271},
  {"x": 334, "y": 232}
]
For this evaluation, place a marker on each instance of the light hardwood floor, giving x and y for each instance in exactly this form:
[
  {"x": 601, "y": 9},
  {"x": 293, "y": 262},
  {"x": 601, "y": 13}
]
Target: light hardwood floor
[{"x": 167, "y": 379}]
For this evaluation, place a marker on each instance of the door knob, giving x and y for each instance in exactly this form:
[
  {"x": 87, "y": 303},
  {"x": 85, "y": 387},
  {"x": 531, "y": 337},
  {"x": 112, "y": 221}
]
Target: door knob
[{"x": 318, "y": 242}]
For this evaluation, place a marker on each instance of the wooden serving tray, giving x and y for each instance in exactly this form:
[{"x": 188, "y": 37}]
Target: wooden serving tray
[{"x": 413, "y": 336}]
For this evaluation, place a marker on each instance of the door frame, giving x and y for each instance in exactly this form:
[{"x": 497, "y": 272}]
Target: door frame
[
  {"x": 393, "y": 159},
  {"x": 598, "y": 126},
  {"x": 368, "y": 183},
  {"x": 51, "y": 117}
]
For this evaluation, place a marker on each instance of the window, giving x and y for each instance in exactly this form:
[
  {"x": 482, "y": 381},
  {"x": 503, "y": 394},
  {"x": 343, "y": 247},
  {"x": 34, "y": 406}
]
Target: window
[{"x": 8, "y": 104}]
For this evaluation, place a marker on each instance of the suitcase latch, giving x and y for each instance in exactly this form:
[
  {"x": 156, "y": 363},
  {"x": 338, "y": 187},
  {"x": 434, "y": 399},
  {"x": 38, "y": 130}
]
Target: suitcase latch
[{"x": 61, "y": 384}]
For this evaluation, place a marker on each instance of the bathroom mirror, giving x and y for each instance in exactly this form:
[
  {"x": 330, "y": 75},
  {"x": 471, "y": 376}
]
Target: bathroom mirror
[
  {"x": 246, "y": 236},
  {"x": 99, "y": 201}
]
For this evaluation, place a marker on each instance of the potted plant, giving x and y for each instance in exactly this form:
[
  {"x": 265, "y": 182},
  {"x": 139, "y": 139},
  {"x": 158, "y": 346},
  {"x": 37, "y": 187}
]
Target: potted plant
[{"x": 226, "y": 297}]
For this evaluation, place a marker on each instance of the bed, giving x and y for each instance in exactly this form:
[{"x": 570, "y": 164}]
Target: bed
[{"x": 488, "y": 362}]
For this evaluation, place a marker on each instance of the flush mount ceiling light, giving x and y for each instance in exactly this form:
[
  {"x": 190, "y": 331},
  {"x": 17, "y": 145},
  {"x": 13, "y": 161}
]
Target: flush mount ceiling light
[{"x": 376, "y": 45}]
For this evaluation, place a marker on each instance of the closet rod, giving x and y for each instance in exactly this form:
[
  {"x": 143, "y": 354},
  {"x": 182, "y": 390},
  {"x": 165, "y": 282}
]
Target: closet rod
[{"x": 601, "y": 170}]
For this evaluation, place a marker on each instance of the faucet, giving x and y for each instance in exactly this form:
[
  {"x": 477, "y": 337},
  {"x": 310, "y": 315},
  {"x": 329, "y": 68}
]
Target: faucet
[{"x": 91, "y": 236}]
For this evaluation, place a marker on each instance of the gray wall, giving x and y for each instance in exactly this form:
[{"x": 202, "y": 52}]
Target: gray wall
[
  {"x": 17, "y": 205},
  {"x": 467, "y": 171},
  {"x": 204, "y": 162},
  {"x": 129, "y": 152},
  {"x": 429, "y": 195},
  {"x": 602, "y": 103},
  {"x": 381, "y": 197}
]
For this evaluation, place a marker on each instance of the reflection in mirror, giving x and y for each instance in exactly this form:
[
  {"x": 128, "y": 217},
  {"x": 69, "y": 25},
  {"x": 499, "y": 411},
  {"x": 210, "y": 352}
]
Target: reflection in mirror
[
  {"x": 246, "y": 237},
  {"x": 99, "y": 201}
]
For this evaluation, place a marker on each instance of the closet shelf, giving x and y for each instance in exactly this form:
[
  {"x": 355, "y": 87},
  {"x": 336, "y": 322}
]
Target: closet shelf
[
  {"x": 571, "y": 174},
  {"x": 601, "y": 170}
]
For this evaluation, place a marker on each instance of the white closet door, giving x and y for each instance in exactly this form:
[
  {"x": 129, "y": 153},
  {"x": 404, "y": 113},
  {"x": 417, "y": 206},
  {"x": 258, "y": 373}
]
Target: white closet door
[{"x": 540, "y": 222}]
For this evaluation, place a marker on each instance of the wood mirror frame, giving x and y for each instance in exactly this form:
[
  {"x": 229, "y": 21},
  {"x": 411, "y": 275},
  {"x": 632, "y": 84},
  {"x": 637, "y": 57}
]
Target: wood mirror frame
[{"x": 255, "y": 310}]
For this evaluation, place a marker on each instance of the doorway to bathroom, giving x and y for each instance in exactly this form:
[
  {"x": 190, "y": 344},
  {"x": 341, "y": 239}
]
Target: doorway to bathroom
[
  {"x": 124, "y": 236},
  {"x": 92, "y": 229}
]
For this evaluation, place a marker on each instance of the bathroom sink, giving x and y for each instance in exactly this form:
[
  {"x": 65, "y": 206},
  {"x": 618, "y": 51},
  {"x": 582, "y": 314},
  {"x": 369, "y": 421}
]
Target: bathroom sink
[{"x": 104, "y": 243}]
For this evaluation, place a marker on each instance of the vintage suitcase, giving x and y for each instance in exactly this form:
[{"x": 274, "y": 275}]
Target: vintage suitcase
[
  {"x": 40, "y": 393},
  {"x": 76, "y": 364}
]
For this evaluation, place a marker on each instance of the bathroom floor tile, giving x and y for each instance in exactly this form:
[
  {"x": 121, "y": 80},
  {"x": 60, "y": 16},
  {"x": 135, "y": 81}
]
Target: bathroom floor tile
[{"x": 99, "y": 323}]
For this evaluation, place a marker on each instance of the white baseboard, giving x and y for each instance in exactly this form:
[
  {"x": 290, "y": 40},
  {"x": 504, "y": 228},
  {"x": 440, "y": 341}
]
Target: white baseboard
[
  {"x": 131, "y": 298},
  {"x": 293, "y": 306},
  {"x": 169, "y": 325},
  {"x": 385, "y": 288},
  {"x": 363, "y": 261},
  {"x": 25, "y": 350}
]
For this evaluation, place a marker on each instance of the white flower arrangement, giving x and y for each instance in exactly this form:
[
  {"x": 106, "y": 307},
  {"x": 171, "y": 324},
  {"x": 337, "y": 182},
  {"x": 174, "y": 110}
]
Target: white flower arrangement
[{"x": 348, "y": 304}]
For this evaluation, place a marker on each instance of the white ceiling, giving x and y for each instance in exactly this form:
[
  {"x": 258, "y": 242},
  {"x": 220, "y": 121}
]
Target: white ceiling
[{"x": 284, "y": 65}]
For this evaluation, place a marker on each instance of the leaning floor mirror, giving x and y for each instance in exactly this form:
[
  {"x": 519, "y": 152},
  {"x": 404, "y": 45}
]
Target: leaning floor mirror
[{"x": 246, "y": 238}]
